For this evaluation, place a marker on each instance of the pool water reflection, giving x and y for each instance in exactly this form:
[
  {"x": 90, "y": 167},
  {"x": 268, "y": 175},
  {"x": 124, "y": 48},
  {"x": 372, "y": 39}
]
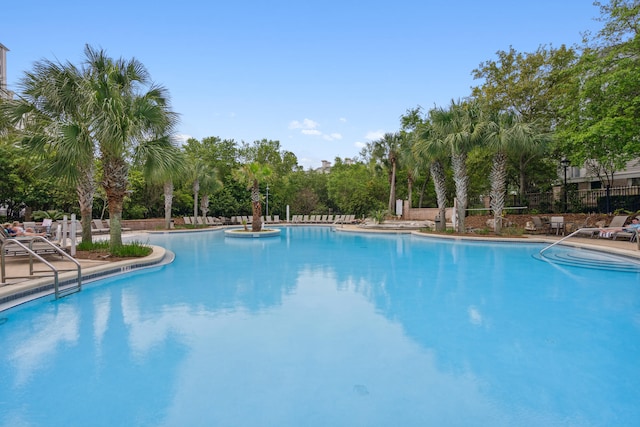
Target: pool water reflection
[{"x": 321, "y": 328}]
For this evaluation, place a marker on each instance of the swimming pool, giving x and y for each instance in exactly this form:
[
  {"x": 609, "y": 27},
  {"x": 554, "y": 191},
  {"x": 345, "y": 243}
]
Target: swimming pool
[{"x": 323, "y": 328}]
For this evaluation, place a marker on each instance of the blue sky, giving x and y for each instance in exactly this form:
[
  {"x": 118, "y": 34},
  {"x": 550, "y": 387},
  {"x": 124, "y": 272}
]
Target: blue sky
[{"x": 321, "y": 77}]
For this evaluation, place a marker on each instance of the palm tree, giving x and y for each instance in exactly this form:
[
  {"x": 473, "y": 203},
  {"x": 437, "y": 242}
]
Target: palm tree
[
  {"x": 125, "y": 116},
  {"x": 461, "y": 128},
  {"x": 54, "y": 112},
  {"x": 430, "y": 148},
  {"x": 507, "y": 134},
  {"x": 388, "y": 150},
  {"x": 251, "y": 174},
  {"x": 159, "y": 167},
  {"x": 202, "y": 178}
]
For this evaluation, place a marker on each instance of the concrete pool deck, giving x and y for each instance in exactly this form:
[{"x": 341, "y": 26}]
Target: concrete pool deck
[{"x": 19, "y": 289}]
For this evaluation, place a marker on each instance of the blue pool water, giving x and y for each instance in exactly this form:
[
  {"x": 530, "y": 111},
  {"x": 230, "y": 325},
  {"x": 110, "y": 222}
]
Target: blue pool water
[{"x": 323, "y": 328}]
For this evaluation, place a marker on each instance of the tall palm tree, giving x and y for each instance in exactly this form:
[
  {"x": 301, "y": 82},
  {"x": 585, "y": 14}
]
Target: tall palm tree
[
  {"x": 128, "y": 110},
  {"x": 461, "y": 128},
  {"x": 430, "y": 148},
  {"x": 54, "y": 112},
  {"x": 506, "y": 134},
  {"x": 251, "y": 174},
  {"x": 388, "y": 150},
  {"x": 161, "y": 168},
  {"x": 204, "y": 179}
]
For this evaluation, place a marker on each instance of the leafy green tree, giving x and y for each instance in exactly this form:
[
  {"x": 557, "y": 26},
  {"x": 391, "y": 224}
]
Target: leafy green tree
[
  {"x": 355, "y": 190},
  {"x": 600, "y": 108},
  {"x": 526, "y": 84}
]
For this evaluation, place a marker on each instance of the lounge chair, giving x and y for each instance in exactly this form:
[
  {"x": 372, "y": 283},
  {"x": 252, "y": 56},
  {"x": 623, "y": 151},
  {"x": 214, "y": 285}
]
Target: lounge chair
[
  {"x": 536, "y": 226},
  {"x": 632, "y": 235},
  {"x": 98, "y": 227},
  {"x": 212, "y": 220},
  {"x": 35, "y": 243},
  {"x": 187, "y": 220},
  {"x": 104, "y": 225},
  {"x": 276, "y": 219},
  {"x": 618, "y": 221}
]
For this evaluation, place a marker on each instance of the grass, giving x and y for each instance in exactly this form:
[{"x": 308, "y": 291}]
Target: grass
[{"x": 132, "y": 249}]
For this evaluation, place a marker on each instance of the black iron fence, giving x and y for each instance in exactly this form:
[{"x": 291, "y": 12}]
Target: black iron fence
[{"x": 602, "y": 200}]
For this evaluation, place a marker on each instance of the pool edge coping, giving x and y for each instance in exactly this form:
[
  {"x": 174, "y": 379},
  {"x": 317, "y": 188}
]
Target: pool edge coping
[{"x": 28, "y": 290}]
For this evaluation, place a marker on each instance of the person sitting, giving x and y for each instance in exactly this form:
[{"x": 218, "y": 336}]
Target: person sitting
[
  {"x": 8, "y": 228},
  {"x": 30, "y": 232},
  {"x": 634, "y": 227},
  {"x": 19, "y": 231}
]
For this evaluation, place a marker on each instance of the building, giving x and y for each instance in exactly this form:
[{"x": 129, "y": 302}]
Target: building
[
  {"x": 4, "y": 91},
  {"x": 627, "y": 177}
]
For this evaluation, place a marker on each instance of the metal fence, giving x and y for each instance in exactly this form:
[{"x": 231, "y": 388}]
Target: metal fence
[{"x": 602, "y": 200}]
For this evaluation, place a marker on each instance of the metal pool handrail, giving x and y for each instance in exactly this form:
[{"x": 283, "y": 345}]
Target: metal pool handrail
[
  {"x": 570, "y": 235},
  {"x": 32, "y": 253}
]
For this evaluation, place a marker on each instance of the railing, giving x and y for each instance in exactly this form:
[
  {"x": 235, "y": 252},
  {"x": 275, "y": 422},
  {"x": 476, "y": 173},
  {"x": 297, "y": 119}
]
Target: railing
[
  {"x": 594, "y": 200},
  {"x": 59, "y": 293}
]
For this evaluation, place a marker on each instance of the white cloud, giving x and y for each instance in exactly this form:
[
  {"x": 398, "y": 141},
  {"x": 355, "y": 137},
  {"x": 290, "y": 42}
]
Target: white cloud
[
  {"x": 305, "y": 124},
  {"x": 360, "y": 145},
  {"x": 310, "y": 127},
  {"x": 375, "y": 134},
  {"x": 343, "y": 120}
]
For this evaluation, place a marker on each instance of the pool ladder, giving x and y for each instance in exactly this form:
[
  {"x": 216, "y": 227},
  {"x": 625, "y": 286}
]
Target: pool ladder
[{"x": 59, "y": 293}]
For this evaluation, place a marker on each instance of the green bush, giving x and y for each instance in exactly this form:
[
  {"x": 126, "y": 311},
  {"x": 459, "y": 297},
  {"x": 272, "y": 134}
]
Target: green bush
[{"x": 133, "y": 249}]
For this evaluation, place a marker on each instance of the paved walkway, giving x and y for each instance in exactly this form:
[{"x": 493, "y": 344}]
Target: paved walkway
[{"x": 19, "y": 283}]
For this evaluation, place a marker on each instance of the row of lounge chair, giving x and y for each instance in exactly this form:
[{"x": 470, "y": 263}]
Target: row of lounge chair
[
  {"x": 324, "y": 219},
  {"x": 243, "y": 219},
  {"x": 207, "y": 220},
  {"x": 275, "y": 219}
]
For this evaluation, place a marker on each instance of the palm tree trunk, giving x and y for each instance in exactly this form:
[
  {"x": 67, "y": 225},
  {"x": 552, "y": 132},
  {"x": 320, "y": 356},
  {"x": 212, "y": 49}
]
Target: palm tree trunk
[
  {"x": 85, "y": 189},
  {"x": 168, "y": 203},
  {"x": 256, "y": 207},
  {"x": 392, "y": 191},
  {"x": 423, "y": 188},
  {"x": 439, "y": 182},
  {"x": 204, "y": 206},
  {"x": 196, "y": 188},
  {"x": 410, "y": 190},
  {"x": 115, "y": 185},
  {"x": 498, "y": 188},
  {"x": 461, "y": 180}
]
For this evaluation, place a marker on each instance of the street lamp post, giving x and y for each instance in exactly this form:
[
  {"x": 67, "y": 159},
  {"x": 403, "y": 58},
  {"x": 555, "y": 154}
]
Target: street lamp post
[{"x": 565, "y": 164}]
